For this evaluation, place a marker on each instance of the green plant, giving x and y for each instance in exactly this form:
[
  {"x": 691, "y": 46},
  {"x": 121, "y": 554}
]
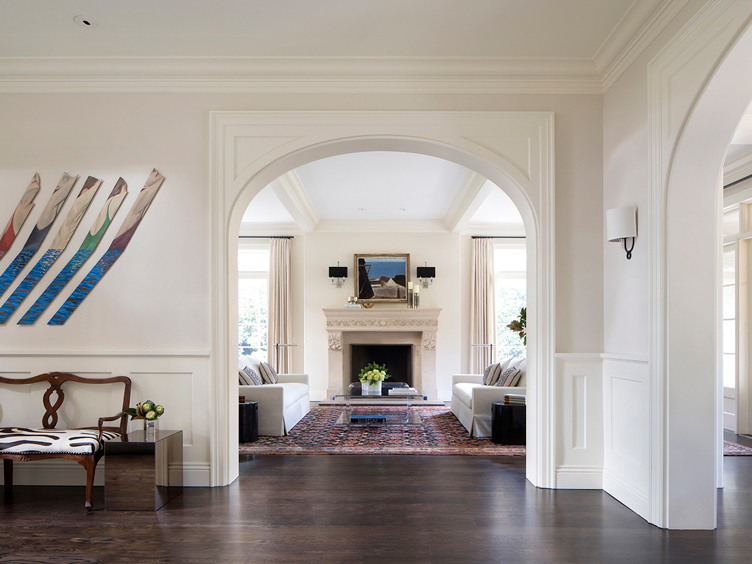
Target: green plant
[
  {"x": 373, "y": 373},
  {"x": 147, "y": 410},
  {"x": 519, "y": 325}
]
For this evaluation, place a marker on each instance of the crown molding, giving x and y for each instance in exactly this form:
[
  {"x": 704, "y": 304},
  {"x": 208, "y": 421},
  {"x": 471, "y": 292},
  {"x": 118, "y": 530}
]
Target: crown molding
[
  {"x": 737, "y": 169},
  {"x": 640, "y": 41},
  {"x": 290, "y": 191},
  {"x": 300, "y": 74},
  {"x": 471, "y": 195},
  {"x": 381, "y": 226},
  {"x": 271, "y": 229},
  {"x": 328, "y": 75}
]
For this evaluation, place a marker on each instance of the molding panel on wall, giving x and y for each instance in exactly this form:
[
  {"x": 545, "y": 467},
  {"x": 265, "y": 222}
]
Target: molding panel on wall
[
  {"x": 626, "y": 456},
  {"x": 176, "y": 379},
  {"x": 579, "y": 443}
]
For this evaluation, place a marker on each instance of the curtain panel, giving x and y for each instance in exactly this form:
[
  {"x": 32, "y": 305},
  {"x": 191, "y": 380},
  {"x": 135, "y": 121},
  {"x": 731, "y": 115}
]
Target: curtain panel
[
  {"x": 482, "y": 306},
  {"x": 280, "y": 320}
]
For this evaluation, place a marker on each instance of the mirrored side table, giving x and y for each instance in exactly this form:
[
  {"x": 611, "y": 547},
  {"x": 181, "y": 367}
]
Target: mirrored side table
[{"x": 143, "y": 473}]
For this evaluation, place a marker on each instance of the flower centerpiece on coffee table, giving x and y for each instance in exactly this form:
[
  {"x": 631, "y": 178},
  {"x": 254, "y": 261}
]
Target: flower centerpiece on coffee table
[{"x": 371, "y": 378}]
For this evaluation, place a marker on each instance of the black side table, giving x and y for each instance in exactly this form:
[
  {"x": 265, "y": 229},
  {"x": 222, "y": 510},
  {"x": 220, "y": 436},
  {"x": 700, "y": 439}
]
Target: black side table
[
  {"x": 508, "y": 424},
  {"x": 248, "y": 421}
]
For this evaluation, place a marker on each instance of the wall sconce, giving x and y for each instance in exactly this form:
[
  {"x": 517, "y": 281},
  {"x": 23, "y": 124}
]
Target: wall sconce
[
  {"x": 426, "y": 274},
  {"x": 338, "y": 274},
  {"x": 621, "y": 224}
]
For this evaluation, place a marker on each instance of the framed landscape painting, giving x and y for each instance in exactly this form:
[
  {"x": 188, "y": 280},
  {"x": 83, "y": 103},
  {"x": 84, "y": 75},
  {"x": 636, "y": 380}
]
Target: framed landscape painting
[{"x": 382, "y": 278}]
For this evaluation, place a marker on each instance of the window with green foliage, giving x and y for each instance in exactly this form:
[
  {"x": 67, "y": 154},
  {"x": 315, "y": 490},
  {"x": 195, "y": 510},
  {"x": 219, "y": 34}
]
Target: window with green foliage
[
  {"x": 511, "y": 286},
  {"x": 253, "y": 299}
]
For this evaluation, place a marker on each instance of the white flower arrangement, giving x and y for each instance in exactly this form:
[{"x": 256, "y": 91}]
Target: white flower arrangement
[{"x": 373, "y": 374}]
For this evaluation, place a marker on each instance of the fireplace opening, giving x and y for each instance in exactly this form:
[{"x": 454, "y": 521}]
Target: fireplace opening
[{"x": 397, "y": 358}]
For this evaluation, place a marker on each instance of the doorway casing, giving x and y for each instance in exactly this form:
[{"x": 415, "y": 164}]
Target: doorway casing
[{"x": 515, "y": 150}]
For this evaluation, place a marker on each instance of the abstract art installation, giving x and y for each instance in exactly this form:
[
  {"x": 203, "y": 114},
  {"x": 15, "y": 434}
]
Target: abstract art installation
[
  {"x": 123, "y": 237},
  {"x": 39, "y": 232},
  {"x": 19, "y": 216},
  {"x": 95, "y": 234},
  {"x": 63, "y": 237}
]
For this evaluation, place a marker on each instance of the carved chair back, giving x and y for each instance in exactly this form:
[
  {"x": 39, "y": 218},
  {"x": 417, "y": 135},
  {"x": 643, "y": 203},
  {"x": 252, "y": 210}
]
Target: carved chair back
[{"x": 56, "y": 381}]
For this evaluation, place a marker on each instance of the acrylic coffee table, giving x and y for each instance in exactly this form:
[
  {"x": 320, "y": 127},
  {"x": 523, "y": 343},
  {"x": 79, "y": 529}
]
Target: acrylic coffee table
[{"x": 356, "y": 413}]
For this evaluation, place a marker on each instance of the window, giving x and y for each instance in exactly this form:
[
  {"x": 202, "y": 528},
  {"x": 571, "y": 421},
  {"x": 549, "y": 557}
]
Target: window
[
  {"x": 511, "y": 286},
  {"x": 729, "y": 315},
  {"x": 253, "y": 299}
]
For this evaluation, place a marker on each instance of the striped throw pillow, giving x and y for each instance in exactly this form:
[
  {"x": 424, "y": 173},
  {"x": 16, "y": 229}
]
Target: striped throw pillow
[
  {"x": 268, "y": 373},
  {"x": 506, "y": 379},
  {"x": 491, "y": 375},
  {"x": 249, "y": 377}
]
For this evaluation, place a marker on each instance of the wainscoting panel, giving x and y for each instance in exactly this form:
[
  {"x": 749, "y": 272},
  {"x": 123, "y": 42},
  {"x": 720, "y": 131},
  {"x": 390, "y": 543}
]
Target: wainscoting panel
[
  {"x": 579, "y": 429},
  {"x": 178, "y": 380},
  {"x": 625, "y": 407}
]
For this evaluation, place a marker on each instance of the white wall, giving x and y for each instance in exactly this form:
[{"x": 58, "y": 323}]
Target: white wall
[
  {"x": 659, "y": 379},
  {"x": 150, "y": 315}
]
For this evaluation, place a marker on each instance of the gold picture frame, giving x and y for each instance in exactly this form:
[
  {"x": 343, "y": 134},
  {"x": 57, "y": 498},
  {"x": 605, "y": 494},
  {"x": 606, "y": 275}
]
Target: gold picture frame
[{"x": 381, "y": 278}]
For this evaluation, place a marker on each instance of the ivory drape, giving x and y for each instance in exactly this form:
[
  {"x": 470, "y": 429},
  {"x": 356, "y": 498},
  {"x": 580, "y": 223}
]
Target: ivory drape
[
  {"x": 280, "y": 321},
  {"x": 482, "y": 306}
]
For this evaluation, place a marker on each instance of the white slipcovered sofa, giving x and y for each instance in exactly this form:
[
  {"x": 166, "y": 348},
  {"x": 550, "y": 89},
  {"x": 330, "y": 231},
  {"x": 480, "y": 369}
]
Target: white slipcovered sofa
[
  {"x": 471, "y": 400},
  {"x": 280, "y": 405}
]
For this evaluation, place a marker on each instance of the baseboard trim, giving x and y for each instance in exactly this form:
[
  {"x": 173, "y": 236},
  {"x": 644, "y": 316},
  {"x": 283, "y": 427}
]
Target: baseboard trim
[
  {"x": 626, "y": 494},
  {"x": 579, "y": 477},
  {"x": 69, "y": 473}
]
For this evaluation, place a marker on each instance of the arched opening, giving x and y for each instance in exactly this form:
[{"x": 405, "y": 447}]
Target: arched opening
[
  {"x": 504, "y": 175},
  {"x": 693, "y": 438}
]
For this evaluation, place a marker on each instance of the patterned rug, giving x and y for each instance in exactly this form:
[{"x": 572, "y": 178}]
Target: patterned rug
[
  {"x": 440, "y": 434},
  {"x": 733, "y": 449}
]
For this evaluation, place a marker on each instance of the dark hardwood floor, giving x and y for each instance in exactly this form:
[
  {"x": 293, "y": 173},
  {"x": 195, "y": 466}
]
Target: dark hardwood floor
[{"x": 364, "y": 509}]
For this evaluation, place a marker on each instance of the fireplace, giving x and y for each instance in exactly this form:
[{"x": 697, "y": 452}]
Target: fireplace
[
  {"x": 411, "y": 330},
  {"x": 397, "y": 358}
]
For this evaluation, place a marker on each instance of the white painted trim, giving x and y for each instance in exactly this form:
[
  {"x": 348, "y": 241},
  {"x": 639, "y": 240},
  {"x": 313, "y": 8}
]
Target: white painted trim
[
  {"x": 666, "y": 12},
  {"x": 471, "y": 195},
  {"x": 12, "y": 353},
  {"x": 737, "y": 169},
  {"x": 318, "y": 134},
  {"x": 636, "y": 500},
  {"x": 618, "y": 357},
  {"x": 291, "y": 192},
  {"x": 579, "y": 477},
  {"x": 381, "y": 226}
]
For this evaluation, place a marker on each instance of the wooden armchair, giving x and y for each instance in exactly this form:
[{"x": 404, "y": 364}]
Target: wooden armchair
[{"x": 84, "y": 445}]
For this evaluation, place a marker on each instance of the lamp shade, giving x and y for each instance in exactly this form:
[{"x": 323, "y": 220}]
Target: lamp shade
[
  {"x": 426, "y": 272},
  {"x": 621, "y": 223},
  {"x": 337, "y": 272}
]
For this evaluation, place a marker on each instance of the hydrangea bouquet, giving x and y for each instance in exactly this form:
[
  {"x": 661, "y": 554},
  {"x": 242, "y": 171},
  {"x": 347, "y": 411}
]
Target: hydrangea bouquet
[{"x": 373, "y": 374}]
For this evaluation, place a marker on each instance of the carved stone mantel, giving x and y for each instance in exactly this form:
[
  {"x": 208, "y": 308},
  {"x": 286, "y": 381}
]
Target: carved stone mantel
[{"x": 378, "y": 326}]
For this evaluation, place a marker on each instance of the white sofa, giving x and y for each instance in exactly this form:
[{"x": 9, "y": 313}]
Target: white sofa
[
  {"x": 280, "y": 405},
  {"x": 471, "y": 400}
]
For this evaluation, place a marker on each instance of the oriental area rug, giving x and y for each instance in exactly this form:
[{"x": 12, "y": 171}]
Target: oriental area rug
[
  {"x": 733, "y": 449},
  {"x": 440, "y": 433}
]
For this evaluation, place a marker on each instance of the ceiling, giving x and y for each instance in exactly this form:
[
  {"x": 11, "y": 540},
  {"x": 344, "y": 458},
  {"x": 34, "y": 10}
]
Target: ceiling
[
  {"x": 260, "y": 45},
  {"x": 305, "y": 28},
  {"x": 406, "y": 189}
]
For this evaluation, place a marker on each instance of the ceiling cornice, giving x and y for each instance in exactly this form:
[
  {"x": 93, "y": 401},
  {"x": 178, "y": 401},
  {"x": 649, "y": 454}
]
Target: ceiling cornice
[
  {"x": 468, "y": 199},
  {"x": 442, "y": 75},
  {"x": 290, "y": 191},
  {"x": 737, "y": 169}
]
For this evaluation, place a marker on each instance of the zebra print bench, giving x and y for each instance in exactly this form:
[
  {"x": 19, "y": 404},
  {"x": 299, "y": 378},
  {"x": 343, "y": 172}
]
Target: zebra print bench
[{"x": 85, "y": 446}]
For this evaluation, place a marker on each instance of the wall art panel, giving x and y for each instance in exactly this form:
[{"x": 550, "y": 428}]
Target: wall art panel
[
  {"x": 123, "y": 237},
  {"x": 40, "y": 231},
  {"x": 95, "y": 234},
  {"x": 63, "y": 237},
  {"x": 19, "y": 216}
]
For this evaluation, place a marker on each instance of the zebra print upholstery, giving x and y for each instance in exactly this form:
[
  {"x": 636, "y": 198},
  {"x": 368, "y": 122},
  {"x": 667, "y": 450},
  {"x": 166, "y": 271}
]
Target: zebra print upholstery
[{"x": 20, "y": 440}]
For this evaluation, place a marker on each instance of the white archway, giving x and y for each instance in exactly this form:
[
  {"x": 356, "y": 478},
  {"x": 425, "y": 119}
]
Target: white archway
[
  {"x": 251, "y": 149},
  {"x": 684, "y": 244}
]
